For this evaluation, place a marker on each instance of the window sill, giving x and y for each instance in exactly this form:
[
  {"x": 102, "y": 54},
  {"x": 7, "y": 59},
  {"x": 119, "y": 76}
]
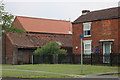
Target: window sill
[{"x": 87, "y": 36}]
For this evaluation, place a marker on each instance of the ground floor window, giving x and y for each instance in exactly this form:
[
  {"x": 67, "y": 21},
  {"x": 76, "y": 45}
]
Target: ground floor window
[{"x": 87, "y": 47}]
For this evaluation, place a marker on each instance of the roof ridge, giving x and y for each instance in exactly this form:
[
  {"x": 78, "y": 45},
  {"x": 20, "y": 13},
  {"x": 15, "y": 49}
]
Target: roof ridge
[
  {"x": 104, "y": 9},
  {"x": 103, "y": 14},
  {"x": 42, "y": 18}
]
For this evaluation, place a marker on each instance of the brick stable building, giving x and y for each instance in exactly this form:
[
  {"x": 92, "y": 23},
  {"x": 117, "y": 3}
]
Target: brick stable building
[
  {"x": 101, "y": 32},
  {"x": 19, "y": 47}
]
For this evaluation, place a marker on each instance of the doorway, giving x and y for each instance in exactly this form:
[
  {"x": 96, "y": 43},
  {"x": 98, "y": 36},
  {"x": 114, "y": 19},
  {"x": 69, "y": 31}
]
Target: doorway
[{"x": 106, "y": 52}]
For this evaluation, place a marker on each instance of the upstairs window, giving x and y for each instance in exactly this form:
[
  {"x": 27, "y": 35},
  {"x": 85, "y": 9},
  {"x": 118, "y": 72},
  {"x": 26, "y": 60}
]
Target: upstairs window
[{"x": 87, "y": 29}]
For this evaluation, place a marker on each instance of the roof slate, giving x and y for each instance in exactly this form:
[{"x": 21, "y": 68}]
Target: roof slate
[
  {"x": 43, "y": 25},
  {"x": 99, "y": 15},
  {"x": 33, "y": 40}
]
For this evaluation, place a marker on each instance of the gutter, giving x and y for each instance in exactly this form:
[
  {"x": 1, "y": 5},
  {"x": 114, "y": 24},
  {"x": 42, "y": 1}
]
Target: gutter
[
  {"x": 47, "y": 33},
  {"x": 76, "y": 22},
  {"x": 19, "y": 47}
]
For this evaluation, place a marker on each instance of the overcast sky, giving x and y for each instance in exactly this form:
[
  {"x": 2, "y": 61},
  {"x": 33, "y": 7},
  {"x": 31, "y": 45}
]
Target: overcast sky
[{"x": 56, "y": 9}]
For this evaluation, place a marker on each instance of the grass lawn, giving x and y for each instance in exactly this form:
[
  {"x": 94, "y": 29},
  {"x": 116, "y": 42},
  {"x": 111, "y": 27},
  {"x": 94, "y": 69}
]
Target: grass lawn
[
  {"x": 23, "y": 74},
  {"x": 70, "y": 69}
]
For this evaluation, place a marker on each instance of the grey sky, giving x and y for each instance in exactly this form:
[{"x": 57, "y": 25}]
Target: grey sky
[{"x": 54, "y": 9}]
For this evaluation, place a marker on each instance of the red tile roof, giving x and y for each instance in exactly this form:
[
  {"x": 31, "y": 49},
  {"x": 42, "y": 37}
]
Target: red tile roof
[
  {"x": 38, "y": 40},
  {"x": 43, "y": 25},
  {"x": 99, "y": 15}
]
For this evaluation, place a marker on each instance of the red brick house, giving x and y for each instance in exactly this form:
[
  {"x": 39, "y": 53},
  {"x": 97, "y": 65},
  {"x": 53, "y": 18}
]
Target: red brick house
[
  {"x": 19, "y": 47},
  {"x": 101, "y": 32}
]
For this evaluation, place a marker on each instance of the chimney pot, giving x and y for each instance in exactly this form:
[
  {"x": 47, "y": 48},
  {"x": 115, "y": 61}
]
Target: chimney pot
[{"x": 84, "y": 12}]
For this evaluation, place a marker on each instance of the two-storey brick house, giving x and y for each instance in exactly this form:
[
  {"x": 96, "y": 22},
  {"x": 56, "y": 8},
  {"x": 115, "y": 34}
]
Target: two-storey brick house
[{"x": 101, "y": 32}]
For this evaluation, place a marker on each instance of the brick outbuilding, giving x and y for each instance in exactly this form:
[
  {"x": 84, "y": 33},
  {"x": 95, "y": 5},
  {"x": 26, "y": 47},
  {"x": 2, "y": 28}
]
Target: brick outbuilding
[
  {"x": 19, "y": 47},
  {"x": 101, "y": 32}
]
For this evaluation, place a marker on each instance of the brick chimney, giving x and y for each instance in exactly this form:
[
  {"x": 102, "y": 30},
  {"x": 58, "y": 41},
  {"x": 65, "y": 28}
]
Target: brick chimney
[{"x": 84, "y": 12}]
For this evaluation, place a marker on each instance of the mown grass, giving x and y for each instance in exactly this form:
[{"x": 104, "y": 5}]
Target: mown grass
[
  {"x": 71, "y": 69},
  {"x": 23, "y": 74}
]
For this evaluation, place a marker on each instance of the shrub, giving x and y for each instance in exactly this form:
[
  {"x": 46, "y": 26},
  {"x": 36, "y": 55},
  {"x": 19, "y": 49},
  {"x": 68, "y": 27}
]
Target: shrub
[{"x": 50, "y": 48}]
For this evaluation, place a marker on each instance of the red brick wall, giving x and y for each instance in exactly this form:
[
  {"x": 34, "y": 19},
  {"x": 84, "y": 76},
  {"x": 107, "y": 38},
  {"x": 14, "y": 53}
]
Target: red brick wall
[
  {"x": 77, "y": 30},
  {"x": 106, "y": 29},
  {"x": 9, "y": 51},
  {"x": 12, "y": 54},
  {"x": 16, "y": 23},
  {"x": 2, "y": 41},
  {"x": 119, "y": 34}
]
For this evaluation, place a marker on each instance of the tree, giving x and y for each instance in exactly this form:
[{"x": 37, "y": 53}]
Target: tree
[
  {"x": 50, "y": 48},
  {"x": 6, "y": 21},
  {"x": 5, "y": 17},
  {"x": 1, "y": 11}
]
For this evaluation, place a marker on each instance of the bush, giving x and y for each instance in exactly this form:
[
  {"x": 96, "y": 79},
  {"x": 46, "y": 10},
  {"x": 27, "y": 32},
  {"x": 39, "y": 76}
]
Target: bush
[{"x": 50, "y": 48}]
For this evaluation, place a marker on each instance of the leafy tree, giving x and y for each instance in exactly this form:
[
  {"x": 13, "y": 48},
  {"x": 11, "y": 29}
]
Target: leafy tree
[
  {"x": 15, "y": 30},
  {"x": 5, "y": 17},
  {"x": 6, "y": 21},
  {"x": 50, "y": 48}
]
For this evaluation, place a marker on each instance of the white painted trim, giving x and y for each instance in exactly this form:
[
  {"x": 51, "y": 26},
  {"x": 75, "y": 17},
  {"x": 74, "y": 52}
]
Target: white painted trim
[
  {"x": 108, "y": 40},
  {"x": 87, "y": 23},
  {"x": 104, "y": 48},
  {"x": 88, "y": 42},
  {"x": 87, "y": 35},
  {"x": 104, "y": 51}
]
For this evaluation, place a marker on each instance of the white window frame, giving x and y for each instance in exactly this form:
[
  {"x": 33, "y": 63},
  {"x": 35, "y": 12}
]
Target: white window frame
[
  {"x": 85, "y": 43},
  {"x": 89, "y": 29},
  {"x": 104, "y": 51}
]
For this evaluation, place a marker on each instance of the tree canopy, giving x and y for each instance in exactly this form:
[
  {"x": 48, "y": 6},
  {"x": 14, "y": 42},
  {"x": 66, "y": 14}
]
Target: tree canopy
[
  {"x": 50, "y": 48},
  {"x": 6, "y": 20}
]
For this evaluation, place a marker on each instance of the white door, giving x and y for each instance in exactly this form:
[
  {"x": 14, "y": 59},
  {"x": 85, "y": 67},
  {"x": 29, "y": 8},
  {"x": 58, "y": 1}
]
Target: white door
[{"x": 106, "y": 52}]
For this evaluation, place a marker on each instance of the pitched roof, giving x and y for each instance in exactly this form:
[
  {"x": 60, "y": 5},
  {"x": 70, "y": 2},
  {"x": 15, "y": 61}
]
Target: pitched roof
[
  {"x": 99, "y": 15},
  {"x": 32, "y": 40},
  {"x": 43, "y": 25}
]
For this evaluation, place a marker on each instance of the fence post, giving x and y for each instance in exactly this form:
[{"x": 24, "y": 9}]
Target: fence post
[
  {"x": 110, "y": 59},
  {"x": 91, "y": 58}
]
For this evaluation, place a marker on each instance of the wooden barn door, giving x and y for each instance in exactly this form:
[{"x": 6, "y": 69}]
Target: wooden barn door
[{"x": 20, "y": 57}]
